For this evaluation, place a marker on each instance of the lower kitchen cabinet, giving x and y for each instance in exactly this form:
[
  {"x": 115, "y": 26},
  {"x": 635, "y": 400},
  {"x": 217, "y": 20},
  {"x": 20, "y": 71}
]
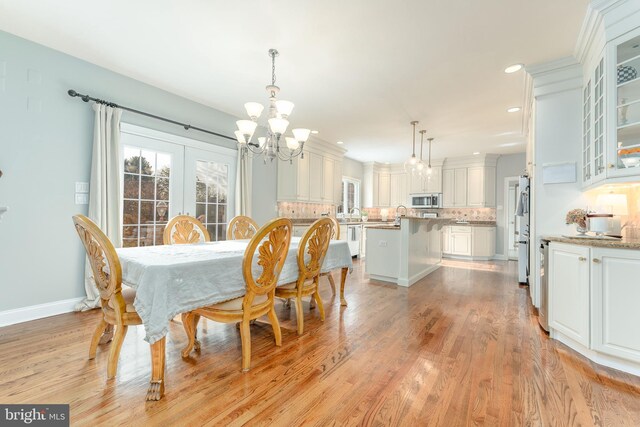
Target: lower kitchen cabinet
[
  {"x": 468, "y": 241},
  {"x": 569, "y": 291},
  {"x": 615, "y": 293},
  {"x": 593, "y": 302}
]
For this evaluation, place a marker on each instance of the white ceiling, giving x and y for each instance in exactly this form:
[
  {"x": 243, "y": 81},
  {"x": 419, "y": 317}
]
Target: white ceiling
[{"x": 358, "y": 71}]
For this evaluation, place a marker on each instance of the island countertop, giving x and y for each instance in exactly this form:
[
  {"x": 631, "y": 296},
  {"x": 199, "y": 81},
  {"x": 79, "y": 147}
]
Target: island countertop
[{"x": 596, "y": 243}]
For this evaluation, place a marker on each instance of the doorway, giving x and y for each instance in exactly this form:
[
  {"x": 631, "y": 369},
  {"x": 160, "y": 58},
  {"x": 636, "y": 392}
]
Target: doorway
[{"x": 511, "y": 220}]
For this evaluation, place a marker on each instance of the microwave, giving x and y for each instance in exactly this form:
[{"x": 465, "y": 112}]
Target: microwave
[{"x": 428, "y": 200}]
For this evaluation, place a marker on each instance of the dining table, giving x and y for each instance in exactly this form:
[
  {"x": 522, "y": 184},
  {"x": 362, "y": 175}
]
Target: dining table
[{"x": 174, "y": 279}]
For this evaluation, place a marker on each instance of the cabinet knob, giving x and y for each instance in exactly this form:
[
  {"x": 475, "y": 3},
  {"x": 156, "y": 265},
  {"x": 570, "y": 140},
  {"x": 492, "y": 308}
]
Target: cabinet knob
[
  {"x": 584, "y": 259},
  {"x": 596, "y": 261}
]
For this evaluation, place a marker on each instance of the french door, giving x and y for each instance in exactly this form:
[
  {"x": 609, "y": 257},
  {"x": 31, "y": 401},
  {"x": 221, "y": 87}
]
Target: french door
[{"x": 166, "y": 175}]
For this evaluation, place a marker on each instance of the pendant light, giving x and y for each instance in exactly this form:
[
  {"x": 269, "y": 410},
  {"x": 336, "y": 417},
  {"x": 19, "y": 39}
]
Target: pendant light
[
  {"x": 419, "y": 169},
  {"x": 409, "y": 165}
]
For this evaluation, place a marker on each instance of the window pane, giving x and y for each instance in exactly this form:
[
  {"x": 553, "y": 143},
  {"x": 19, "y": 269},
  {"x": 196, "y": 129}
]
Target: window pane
[
  {"x": 211, "y": 213},
  {"x": 162, "y": 211},
  {"x": 222, "y": 214},
  {"x": 146, "y": 212},
  {"x": 212, "y": 232},
  {"x": 147, "y": 188},
  {"x": 146, "y": 235},
  {"x": 222, "y": 232},
  {"x": 201, "y": 212},
  {"x": 129, "y": 243},
  {"x": 201, "y": 192},
  {"x": 130, "y": 232},
  {"x": 148, "y": 163},
  {"x": 163, "y": 167},
  {"x": 131, "y": 160},
  {"x": 212, "y": 193},
  {"x": 130, "y": 212},
  {"x": 162, "y": 188},
  {"x": 131, "y": 186}
]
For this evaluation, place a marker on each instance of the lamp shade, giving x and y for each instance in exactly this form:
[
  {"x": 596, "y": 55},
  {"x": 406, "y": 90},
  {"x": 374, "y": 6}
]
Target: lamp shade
[
  {"x": 615, "y": 204},
  {"x": 278, "y": 126},
  {"x": 284, "y": 108},
  {"x": 247, "y": 127},
  {"x": 301, "y": 134},
  {"x": 292, "y": 143},
  {"x": 240, "y": 137},
  {"x": 254, "y": 109}
]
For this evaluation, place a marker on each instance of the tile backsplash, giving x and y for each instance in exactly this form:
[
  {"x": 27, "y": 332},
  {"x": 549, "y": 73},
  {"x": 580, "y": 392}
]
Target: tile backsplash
[{"x": 305, "y": 210}]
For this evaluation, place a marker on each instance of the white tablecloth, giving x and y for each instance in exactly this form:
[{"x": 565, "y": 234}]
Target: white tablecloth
[{"x": 174, "y": 279}]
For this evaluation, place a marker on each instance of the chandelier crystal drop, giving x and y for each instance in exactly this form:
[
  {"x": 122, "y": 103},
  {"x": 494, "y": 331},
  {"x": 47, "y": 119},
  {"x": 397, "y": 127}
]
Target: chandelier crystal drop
[{"x": 275, "y": 144}]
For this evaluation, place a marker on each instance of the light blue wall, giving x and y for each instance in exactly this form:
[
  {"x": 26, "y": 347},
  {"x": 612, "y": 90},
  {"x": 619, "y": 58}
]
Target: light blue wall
[{"x": 45, "y": 147}]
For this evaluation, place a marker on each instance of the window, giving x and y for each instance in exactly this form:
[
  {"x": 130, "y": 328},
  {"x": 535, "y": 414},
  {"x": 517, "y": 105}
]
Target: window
[
  {"x": 165, "y": 175},
  {"x": 350, "y": 196},
  {"x": 145, "y": 203}
]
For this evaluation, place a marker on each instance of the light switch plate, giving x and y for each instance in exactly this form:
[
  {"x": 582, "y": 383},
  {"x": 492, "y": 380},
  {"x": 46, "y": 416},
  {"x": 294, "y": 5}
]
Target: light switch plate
[
  {"x": 82, "y": 199},
  {"x": 382, "y": 243},
  {"x": 82, "y": 187}
]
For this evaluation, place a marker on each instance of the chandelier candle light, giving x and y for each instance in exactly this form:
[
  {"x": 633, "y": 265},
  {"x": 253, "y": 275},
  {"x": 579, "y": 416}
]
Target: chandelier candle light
[{"x": 277, "y": 124}]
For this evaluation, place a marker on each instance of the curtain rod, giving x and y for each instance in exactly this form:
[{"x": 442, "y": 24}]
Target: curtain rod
[{"x": 86, "y": 98}]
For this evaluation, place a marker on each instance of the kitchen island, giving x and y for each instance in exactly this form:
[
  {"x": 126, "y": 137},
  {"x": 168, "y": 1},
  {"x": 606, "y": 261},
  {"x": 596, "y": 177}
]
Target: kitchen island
[{"x": 404, "y": 254}]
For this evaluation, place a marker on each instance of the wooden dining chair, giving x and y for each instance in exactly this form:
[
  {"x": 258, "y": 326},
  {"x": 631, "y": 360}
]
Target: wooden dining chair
[
  {"x": 241, "y": 227},
  {"x": 184, "y": 229},
  {"x": 335, "y": 235},
  {"x": 271, "y": 242},
  {"x": 117, "y": 304},
  {"x": 311, "y": 252}
]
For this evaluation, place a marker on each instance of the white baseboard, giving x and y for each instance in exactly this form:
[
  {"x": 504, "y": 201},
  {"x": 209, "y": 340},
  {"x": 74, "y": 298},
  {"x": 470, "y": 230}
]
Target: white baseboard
[
  {"x": 500, "y": 257},
  {"x": 39, "y": 311}
]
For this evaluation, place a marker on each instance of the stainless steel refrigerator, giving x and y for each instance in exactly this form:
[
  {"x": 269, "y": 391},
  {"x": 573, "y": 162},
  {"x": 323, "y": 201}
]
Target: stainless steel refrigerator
[{"x": 522, "y": 210}]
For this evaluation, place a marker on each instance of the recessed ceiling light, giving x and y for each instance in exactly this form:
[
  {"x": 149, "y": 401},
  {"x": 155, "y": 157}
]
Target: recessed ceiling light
[
  {"x": 339, "y": 142},
  {"x": 386, "y": 163},
  {"x": 315, "y": 132},
  {"x": 513, "y": 68},
  {"x": 513, "y": 109},
  {"x": 475, "y": 153}
]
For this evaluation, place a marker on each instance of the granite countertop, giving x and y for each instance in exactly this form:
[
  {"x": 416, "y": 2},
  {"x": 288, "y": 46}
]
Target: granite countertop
[
  {"x": 474, "y": 224},
  {"x": 597, "y": 243},
  {"x": 383, "y": 227}
]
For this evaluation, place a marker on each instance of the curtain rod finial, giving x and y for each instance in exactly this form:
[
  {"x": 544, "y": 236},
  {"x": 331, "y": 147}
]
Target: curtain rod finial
[{"x": 72, "y": 92}]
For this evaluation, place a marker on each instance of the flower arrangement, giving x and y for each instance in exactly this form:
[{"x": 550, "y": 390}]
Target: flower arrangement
[{"x": 577, "y": 216}]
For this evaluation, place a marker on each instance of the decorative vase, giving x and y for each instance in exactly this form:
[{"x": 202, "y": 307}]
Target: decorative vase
[
  {"x": 582, "y": 231},
  {"x": 626, "y": 73}
]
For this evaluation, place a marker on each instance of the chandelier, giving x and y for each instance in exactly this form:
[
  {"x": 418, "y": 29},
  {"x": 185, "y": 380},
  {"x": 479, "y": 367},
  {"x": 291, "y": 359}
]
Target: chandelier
[{"x": 272, "y": 145}]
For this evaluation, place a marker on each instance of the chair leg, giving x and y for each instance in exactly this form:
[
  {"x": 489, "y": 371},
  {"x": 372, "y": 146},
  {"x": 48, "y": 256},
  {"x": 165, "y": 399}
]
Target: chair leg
[
  {"x": 245, "y": 336},
  {"x": 190, "y": 323},
  {"x": 276, "y": 326},
  {"x": 95, "y": 339},
  {"x": 114, "y": 354},
  {"x": 316, "y": 296},
  {"x": 299, "y": 315},
  {"x": 332, "y": 283}
]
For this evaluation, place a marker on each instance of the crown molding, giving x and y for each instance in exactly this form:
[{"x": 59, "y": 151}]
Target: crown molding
[{"x": 555, "y": 76}]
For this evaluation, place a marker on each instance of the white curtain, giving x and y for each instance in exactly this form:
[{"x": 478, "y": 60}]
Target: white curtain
[
  {"x": 104, "y": 194},
  {"x": 243, "y": 184}
]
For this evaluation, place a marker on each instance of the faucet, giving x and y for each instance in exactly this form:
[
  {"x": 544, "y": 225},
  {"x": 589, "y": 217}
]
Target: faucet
[
  {"x": 353, "y": 209},
  {"x": 398, "y": 216}
]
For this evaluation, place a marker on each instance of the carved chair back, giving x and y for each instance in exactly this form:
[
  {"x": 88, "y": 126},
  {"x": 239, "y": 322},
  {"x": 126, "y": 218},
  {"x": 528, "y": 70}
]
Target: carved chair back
[
  {"x": 336, "y": 228},
  {"x": 241, "y": 227},
  {"x": 101, "y": 254},
  {"x": 184, "y": 229},
  {"x": 313, "y": 248},
  {"x": 271, "y": 244}
]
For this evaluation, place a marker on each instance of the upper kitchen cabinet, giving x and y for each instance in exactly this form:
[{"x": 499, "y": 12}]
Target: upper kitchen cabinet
[
  {"x": 316, "y": 178},
  {"x": 384, "y": 186},
  {"x": 427, "y": 183},
  {"x": 469, "y": 181}
]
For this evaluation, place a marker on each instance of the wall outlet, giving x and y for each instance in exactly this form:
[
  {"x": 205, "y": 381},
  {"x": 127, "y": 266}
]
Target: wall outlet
[{"x": 382, "y": 243}]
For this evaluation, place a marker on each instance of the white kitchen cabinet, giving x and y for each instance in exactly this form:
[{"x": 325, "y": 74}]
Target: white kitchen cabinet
[
  {"x": 446, "y": 239},
  {"x": 293, "y": 180},
  {"x": 475, "y": 186},
  {"x": 433, "y": 182},
  {"x": 615, "y": 292},
  {"x": 384, "y": 189},
  {"x": 448, "y": 187},
  {"x": 569, "y": 291},
  {"x": 337, "y": 182},
  {"x": 299, "y": 230},
  {"x": 460, "y": 243},
  {"x": 327, "y": 180},
  {"x": 316, "y": 163},
  {"x": 460, "y": 187},
  {"x": 483, "y": 241},
  {"x": 399, "y": 193}
]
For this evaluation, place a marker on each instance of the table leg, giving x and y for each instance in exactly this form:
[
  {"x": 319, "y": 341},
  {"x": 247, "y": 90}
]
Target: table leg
[
  {"x": 156, "y": 387},
  {"x": 343, "y": 279}
]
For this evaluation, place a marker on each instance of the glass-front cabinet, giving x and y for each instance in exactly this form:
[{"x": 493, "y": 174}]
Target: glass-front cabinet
[{"x": 624, "y": 145}]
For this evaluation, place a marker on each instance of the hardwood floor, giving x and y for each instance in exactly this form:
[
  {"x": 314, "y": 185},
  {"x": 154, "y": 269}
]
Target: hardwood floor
[{"x": 461, "y": 347}]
